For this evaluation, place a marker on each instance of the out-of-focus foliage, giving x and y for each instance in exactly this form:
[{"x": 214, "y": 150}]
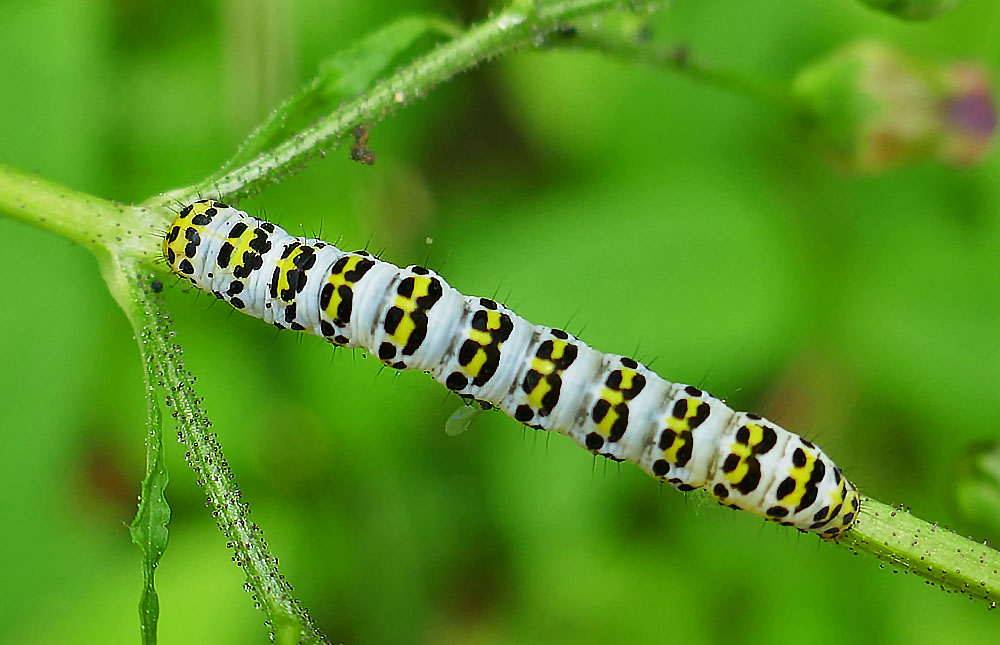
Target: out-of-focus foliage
[
  {"x": 654, "y": 216},
  {"x": 977, "y": 488},
  {"x": 342, "y": 77},
  {"x": 872, "y": 107},
  {"x": 913, "y": 9}
]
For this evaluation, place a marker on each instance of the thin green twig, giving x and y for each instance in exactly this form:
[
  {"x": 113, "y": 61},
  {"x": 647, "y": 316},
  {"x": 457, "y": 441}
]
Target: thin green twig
[
  {"x": 938, "y": 554},
  {"x": 678, "y": 59}
]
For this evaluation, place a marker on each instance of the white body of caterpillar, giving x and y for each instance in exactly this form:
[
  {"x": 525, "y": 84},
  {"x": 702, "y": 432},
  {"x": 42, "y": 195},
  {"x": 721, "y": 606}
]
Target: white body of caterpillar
[{"x": 545, "y": 378}]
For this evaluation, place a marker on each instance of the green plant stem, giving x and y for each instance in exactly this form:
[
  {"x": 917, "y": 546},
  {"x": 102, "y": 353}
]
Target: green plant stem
[
  {"x": 76, "y": 216},
  {"x": 938, "y": 554},
  {"x": 342, "y": 77},
  {"x": 116, "y": 233},
  {"x": 105, "y": 227},
  {"x": 134, "y": 230},
  {"x": 893, "y": 536},
  {"x": 521, "y": 24},
  {"x": 287, "y": 619}
]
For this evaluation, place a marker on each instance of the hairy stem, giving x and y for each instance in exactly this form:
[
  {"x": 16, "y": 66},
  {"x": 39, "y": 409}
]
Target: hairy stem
[
  {"x": 88, "y": 220},
  {"x": 677, "y": 59},
  {"x": 938, "y": 554},
  {"x": 520, "y": 24},
  {"x": 133, "y": 231},
  {"x": 103, "y": 226},
  {"x": 287, "y": 619}
]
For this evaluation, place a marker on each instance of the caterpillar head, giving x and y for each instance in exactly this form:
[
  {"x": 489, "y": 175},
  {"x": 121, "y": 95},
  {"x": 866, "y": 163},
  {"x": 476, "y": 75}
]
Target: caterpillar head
[{"x": 186, "y": 235}]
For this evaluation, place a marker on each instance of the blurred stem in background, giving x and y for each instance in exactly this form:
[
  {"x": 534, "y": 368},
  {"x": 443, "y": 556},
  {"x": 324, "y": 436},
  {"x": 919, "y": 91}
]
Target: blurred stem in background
[
  {"x": 867, "y": 106},
  {"x": 628, "y": 38}
]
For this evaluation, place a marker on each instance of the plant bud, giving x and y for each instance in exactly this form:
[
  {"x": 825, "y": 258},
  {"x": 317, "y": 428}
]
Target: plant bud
[{"x": 871, "y": 108}]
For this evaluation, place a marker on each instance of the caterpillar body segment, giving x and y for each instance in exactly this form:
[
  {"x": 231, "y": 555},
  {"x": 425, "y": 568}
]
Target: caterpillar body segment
[{"x": 545, "y": 378}]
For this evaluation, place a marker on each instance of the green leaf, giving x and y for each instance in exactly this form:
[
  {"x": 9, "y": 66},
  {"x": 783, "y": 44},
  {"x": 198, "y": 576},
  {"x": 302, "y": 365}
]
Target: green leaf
[
  {"x": 287, "y": 619},
  {"x": 344, "y": 76},
  {"x": 149, "y": 527}
]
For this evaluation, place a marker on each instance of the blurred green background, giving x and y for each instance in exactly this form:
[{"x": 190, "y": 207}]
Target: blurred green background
[{"x": 650, "y": 215}]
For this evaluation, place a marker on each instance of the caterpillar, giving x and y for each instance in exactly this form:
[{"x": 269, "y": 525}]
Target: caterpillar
[{"x": 545, "y": 378}]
